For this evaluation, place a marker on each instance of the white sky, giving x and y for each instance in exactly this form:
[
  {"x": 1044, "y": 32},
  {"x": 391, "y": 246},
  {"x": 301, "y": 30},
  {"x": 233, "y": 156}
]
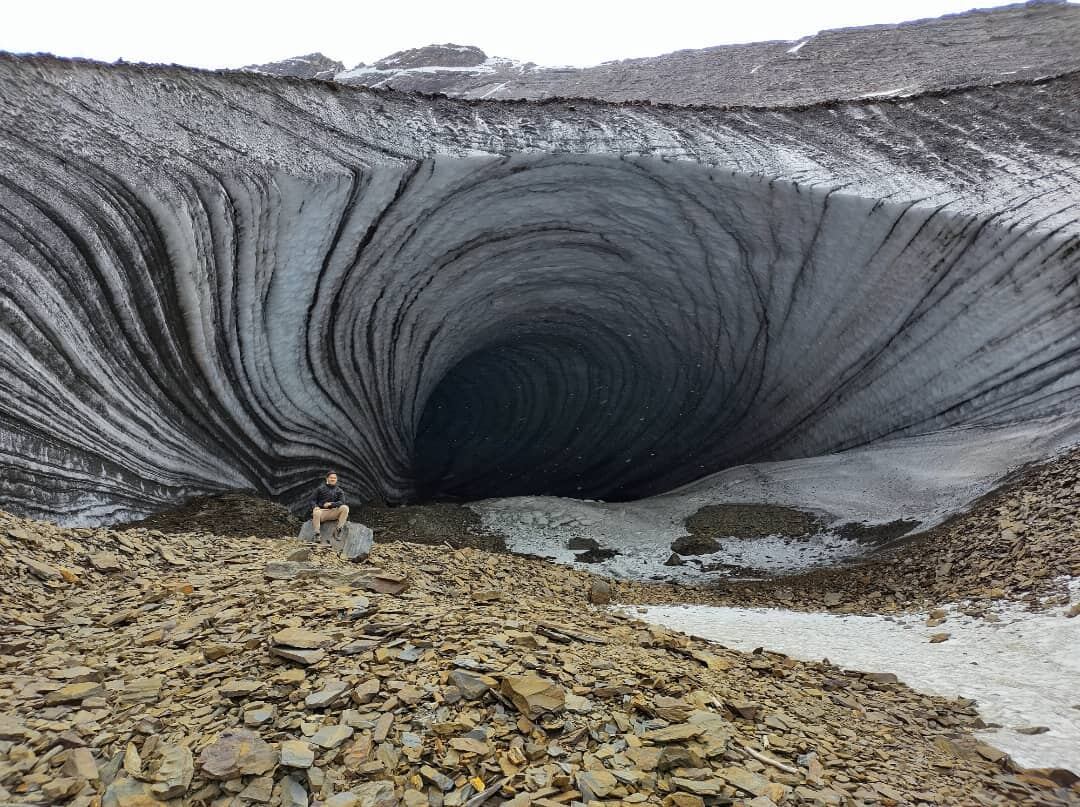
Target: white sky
[{"x": 223, "y": 33}]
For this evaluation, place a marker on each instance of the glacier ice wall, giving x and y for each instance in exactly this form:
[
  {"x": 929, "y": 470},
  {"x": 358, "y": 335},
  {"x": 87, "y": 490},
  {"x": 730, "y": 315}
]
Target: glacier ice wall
[{"x": 227, "y": 280}]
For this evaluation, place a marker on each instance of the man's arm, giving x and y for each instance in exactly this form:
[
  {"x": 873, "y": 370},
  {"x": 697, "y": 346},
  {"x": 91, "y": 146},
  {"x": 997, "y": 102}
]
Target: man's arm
[{"x": 339, "y": 497}]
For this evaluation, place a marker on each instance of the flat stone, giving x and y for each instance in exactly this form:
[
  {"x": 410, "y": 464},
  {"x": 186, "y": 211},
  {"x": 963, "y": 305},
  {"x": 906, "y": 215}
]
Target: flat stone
[
  {"x": 332, "y": 692},
  {"x": 259, "y": 715},
  {"x": 676, "y": 733},
  {"x": 471, "y": 686},
  {"x": 105, "y": 562},
  {"x": 13, "y": 728},
  {"x": 236, "y": 753},
  {"x": 382, "y": 727},
  {"x": 293, "y": 793},
  {"x": 596, "y": 784},
  {"x": 239, "y": 687},
  {"x": 129, "y": 792},
  {"x": 297, "y": 754},
  {"x": 533, "y": 695},
  {"x": 332, "y": 736},
  {"x": 74, "y": 693},
  {"x": 305, "y": 657},
  {"x": 298, "y": 638},
  {"x": 365, "y": 691},
  {"x": 170, "y": 558},
  {"x": 80, "y": 764},
  {"x": 353, "y": 543},
  {"x": 286, "y": 570},
  {"x": 699, "y": 787},
  {"x": 678, "y": 756},
  {"x": 440, "y": 780},
  {"x": 61, "y": 788},
  {"x": 376, "y": 794},
  {"x": 989, "y": 753},
  {"x": 646, "y": 758},
  {"x": 78, "y": 673},
  {"x": 42, "y": 571},
  {"x": 683, "y": 800},
  {"x": 142, "y": 690},
  {"x": 881, "y": 678},
  {"x": 470, "y": 745},
  {"x": 259, "y": 790},
  {"x": 347, "y": 799},
  {"x": 387, "y": 585},
  {"x": 174, "y": 773},
  {"x": 753, "y": 783},
  {"x": 747, "y": 710}
]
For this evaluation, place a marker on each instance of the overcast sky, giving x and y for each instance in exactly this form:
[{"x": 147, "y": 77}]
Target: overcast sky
[{"x": 223, "y": 33}]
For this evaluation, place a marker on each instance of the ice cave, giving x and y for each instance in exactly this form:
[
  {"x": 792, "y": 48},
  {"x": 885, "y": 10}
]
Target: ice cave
[{"x": 223, "y": 280}]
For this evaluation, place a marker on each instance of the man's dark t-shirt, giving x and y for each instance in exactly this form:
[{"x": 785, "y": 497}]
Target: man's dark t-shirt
[{"x": 328, "y": 493}]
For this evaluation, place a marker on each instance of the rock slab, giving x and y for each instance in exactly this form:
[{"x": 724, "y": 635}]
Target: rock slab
[{"x": 354, "y": 543}]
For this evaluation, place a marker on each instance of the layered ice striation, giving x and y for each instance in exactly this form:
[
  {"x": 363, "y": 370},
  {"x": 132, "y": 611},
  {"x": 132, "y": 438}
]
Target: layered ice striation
[{"x": 214, "y": 281}]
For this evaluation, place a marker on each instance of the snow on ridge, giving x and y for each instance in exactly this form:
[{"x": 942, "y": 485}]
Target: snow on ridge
[
  {"x": 799, "y": 46},
  {"x": 491, "y": 64}
]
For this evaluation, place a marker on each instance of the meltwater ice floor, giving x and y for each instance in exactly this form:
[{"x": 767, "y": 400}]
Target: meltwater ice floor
[{"x": 1023, "y": 671}]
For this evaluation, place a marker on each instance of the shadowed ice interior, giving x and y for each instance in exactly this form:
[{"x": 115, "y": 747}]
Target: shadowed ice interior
[{"x": 636, "y": 325}]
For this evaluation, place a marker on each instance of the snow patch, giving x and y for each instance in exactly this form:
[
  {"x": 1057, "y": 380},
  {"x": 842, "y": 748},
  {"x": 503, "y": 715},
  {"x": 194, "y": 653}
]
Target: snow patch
[
  {"x": 898, "y": 91},
  {"x": 926, "y": 478},
  {"x": 1023, "y": 671}
]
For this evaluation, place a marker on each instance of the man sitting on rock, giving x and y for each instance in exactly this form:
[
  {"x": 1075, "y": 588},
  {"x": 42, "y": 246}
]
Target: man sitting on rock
[{"x": 329, "y": 502}]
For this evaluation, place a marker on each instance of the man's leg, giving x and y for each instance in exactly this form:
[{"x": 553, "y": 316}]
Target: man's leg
[
  {"x": 343, "y": 516},
  {"x": 316, "y": 519},
  {"x": 327, "y": 514}
]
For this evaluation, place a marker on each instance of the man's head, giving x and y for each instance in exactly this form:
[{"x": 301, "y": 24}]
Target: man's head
[{"x": 331, "y": 478}]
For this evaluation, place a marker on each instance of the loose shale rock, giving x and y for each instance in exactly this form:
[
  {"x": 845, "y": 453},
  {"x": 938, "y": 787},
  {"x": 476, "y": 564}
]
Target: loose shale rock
[
  {"x": 237, "y": 752},
  {"x": 209, "y": 683}
]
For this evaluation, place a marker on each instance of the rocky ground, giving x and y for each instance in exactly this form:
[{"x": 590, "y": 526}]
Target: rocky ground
[
  {"x": 236, "y": 514},
  {"x": 441, "y": 524},
  {"x": 240, "y": 514},
  {"x": 718, "y": 521},
  {"x": 1020, "y": 542},
  {"x": 139, "y": 668}
]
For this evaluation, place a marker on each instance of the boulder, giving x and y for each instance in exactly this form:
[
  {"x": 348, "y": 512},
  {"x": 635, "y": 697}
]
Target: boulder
[
  {"x": 695, "y": 545},
  {"x": 599, "y": 592},
  {"x": 354, "y": 543}
]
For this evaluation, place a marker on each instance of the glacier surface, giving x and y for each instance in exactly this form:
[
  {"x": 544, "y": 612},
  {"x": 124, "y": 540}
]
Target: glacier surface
[{"x": 231, "y": 280}]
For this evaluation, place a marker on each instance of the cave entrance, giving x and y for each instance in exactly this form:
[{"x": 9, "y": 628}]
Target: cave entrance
[{"x": 544, "y": 414}]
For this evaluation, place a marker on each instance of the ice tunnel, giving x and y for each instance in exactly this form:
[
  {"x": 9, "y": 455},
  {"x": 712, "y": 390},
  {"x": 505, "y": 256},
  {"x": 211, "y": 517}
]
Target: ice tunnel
[{"x": 216, "y": 281}]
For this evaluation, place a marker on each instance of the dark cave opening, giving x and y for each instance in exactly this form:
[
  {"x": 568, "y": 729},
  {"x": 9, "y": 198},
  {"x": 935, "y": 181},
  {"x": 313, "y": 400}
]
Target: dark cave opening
[{"x": 554, "y": 414}]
